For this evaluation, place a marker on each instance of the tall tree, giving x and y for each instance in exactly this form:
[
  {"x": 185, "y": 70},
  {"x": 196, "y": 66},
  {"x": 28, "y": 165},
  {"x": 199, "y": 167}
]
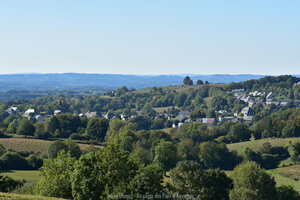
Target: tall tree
[
  {"x": 97, "y": 128},
  {"x": 25, "y": 127},
  {"x": 106, "y": 172},
  {"x": 188, "y": 178},
  {"x": 252, "y": 183},
  {"x": 148, "y": 181},
  {"x": 166, "y": 155},
  {"x": 187, "y": 81},
  {"x": 55, "y": 176}
]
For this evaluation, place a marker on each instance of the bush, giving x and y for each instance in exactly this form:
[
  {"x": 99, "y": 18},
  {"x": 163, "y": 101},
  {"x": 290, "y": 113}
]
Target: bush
[
  {"x": 8, "y": 184},
  {"x": 13, "y": 161}
]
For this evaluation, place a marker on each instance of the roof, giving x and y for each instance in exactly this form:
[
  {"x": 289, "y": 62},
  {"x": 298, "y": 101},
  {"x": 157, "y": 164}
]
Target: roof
[
  {"x": 30, "y": 111},
  {"x": 270, "y": 95},
  {"x": 208, "y": 120},
  {"x": 91, "y": 114}
]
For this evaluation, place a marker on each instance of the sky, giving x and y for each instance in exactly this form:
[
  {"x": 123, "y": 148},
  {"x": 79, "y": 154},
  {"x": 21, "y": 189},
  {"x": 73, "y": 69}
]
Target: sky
[{"x": 150, "y": 36}]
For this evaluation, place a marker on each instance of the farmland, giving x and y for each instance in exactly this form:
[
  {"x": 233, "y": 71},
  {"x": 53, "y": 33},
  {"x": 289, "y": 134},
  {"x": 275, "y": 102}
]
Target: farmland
[{"x": 35, "y": 145}]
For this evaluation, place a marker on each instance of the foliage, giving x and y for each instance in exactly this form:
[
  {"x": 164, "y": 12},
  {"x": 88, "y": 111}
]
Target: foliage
[
  {"x": 97, "y": 127},
  {"x": 287, "y": 193},
  {"x": 103, "y": 173},
  {"x": 215, "y": 155},
  {"x": 166, "y": 155},
  {"x": 55, "y": 176},
  {"x": 13, "y": 160},
  {"x": 188, "y": 178},
  {"x": 148, "y": 181},
  {"x": 252, "y": 183},
  {"x": 25, "y": 127},
  {"x": 68, "y": 147},
  {"x": 8, "y": 184}
]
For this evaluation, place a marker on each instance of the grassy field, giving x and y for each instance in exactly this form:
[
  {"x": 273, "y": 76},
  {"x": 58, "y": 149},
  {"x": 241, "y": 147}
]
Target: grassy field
[
  {"x": 287, "y": 176},
  {"x": 30, "y": 176},
  {"x": 162, "y": 109},
  {"x": 9, "y": 196},
  {"x": 256, "y": 144},
  {"x": 35, "y": 145}
]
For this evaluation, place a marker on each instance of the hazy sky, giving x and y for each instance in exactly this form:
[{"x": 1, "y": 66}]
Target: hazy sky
[{"x": 150, "y": 36}]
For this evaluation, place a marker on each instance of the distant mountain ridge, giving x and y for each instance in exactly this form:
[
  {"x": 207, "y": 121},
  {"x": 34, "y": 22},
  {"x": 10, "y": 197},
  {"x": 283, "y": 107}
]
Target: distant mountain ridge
[{"x": 79, "y": 81}]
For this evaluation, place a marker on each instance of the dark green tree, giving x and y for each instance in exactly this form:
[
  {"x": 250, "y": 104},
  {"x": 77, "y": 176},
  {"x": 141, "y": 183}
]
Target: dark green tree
[
  {"x": 187, "y": 81},
  {"x": 287, "y": 192},
  {"x": 97, "y": 128},
  {"x": 148, "y": 181},
  {"x": 56, "y": 147},
  {"x": 166, "y": 155},
  {"x": 200, "y": 82},
  {"x": 25, "y": 127},
  {"x": 188, "y": 178}
]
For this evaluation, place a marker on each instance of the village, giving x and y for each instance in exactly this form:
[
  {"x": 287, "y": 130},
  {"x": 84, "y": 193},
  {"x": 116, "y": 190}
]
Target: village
[{"x": 246, "y": 114}]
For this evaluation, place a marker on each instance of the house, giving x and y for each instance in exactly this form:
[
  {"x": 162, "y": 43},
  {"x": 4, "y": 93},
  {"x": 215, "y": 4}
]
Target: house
[
  {"x": 29, "y": 113},
  {"x": 270, "y": 96},
  {"x": 124, "y": 117},
  {"x": 247, "y": 111},
  {"x": 284, "y": 102},
  {"x": 181, "y": 118},
  {"x": 13, "y": 110},
  {"x": 56, "y": 112},
  {"x": 39, "y": 118},
  {"x": 222, "y": 112},
  {"x": 247, "y": 118},
  {"x": 184, "y": 113},
  {"x": 188, "y": 121},
  {"x": 238, "y": 91},
  {"x": 251, "y": 103},
  {"x": 225, "y": 119},
  {"x": 92, "y": 114},
  {"x": 209, "y": 121},
  {"x": 109, "y": 115}
]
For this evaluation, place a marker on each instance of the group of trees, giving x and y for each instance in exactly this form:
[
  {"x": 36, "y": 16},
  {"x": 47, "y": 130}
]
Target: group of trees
[
  {"x": 187, "y": 81},
  {"x": 113, "y": 173},
  {"x": 22, "y": 160}
]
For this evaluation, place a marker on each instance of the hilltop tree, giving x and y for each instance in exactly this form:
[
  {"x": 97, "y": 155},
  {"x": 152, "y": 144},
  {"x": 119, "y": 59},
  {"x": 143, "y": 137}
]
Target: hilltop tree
[
  {"x": 200, "y": 82},
  {"x": 187, "y": 81}
]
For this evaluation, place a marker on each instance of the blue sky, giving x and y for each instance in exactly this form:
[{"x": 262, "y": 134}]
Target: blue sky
[{"x": 150, "y": 36}]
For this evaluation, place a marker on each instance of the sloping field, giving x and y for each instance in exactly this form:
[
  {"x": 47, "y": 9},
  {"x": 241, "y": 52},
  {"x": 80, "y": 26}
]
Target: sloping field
[
  {"x": 35, "y": 145},
  {"x": 287, "y": 176},
  {"x": 9, "y": 196},
  {"x": 256, "y": 144}
]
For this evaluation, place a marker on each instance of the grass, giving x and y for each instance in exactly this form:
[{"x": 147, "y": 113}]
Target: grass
[
  {"x": 30, "y": 176},
  {"x": 35, "y": 145},
  {"x": 287, "y": 176},
  {"x": 256, "y": 144},
  {"x": 9, "y": 196},
  {"x": 162, "y": 109}
]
